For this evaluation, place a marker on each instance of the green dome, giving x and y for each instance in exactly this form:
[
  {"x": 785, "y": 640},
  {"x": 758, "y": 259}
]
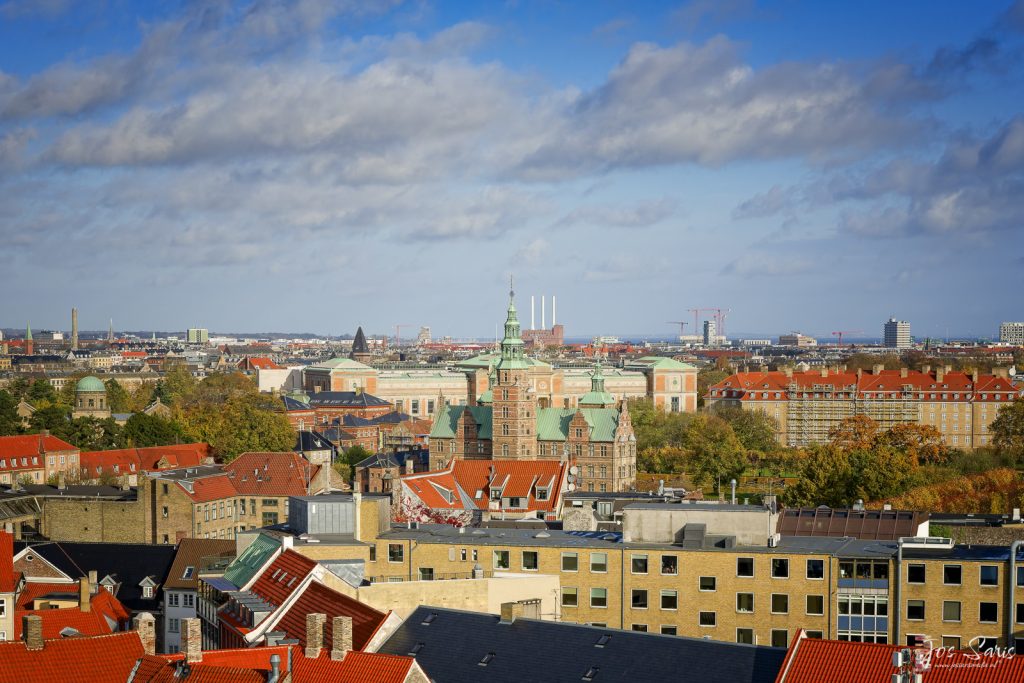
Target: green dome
[{"x": 90, "y": 383}]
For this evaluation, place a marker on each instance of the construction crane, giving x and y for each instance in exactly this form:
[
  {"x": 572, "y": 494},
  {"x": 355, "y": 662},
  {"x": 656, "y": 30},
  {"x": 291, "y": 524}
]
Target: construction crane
[
  {"x": 398, "y": 332},
  {"x": 682, "y": 326},
  {"x": 720, "y": 316},
  {"x": 839, "y": 334}
]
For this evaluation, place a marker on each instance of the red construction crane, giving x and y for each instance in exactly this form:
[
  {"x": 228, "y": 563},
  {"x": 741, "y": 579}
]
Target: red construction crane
[
  {"x": 720, "y": 316},
  {"x": 682, "y": 326},
  {"x": 840, "y": 334}
]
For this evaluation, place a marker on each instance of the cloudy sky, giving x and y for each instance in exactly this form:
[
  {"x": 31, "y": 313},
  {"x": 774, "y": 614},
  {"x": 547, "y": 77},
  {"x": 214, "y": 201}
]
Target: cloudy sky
[{"x": 310, "y": 165}]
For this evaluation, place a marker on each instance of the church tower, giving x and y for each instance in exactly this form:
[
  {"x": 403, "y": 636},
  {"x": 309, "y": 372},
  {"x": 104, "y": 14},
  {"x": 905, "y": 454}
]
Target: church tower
[{"x": 514, "y": 405}]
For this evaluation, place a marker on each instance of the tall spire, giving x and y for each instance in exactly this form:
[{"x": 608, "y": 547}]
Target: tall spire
[
  {"x": 110, "y": 332},
  {"x": 512, "y": 344},
  {"x": 597, "y": 379},
  {"x": 28, "y": 332}
]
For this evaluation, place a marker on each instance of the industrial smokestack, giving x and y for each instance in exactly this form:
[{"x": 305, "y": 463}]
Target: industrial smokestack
[
  {"x": 74, "y": 329},
  {"x": 533, "y": 321},
  {"x": 553, "y": 323},
  {"x": 543, "y": 313}
]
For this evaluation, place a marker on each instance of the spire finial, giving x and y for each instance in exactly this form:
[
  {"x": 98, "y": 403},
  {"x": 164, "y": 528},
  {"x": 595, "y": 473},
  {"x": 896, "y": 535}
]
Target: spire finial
[{"x": 511, "y": 290}]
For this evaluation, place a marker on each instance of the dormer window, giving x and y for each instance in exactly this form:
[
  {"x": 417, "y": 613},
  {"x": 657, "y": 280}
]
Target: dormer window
[
  {"x": 147, "y": 591},
  {"x": 495, "y": 493},
  {"x": 542, "y": 494}
]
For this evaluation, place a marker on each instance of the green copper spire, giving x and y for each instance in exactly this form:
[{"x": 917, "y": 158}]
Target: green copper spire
[
  {"x": 28, "y": 332},
  {"x": 597, "y": 397},
  {"x": 512, "y": 344},
  {"x": 597, "y": 379}
]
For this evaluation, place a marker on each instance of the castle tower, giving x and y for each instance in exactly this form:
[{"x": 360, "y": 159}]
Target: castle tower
[
  {"x": 597, "y": 397},
  {"x": 514, "y": 403},
  {"x": 360, "y": 349}
]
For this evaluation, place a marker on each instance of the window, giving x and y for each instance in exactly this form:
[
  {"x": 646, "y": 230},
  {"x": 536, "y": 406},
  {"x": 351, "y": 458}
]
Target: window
[
  {"x": 373, "y": 553},
  {"x": 426, "y": 573},
  {"x": 269, "y": 518},
  {"x": 780, "y": 603},
  {"x": 817, "y": 635},
  {"x": 915, "y": 573},
  {"x": 745, "y": 636},
  {"x": 669, "y": 600},
  {"x": 669, "y": 565},
  {"x": 639, "y": 599},
  {"x": 529, "y": 559},
  {"x": 599, "y": 563},
  {"x": 951, "y": 642},
  {"x": 542, "y": 494},
  {"x": 147, "y": 591},
  {"x": 815, "y": 569},
  {"x": 598, "y": 597},
  {"x": 669, "y": 630},
  {"x": 989, "y": 575},
  {"x": 744, "y": 566},
  {"x": 780, "y": 637},
  {"x": 640, "y": 627},
  {"x": 638, "y": 564},
  {"x": 780, "y": 568},
  {"x": 915, "y": 610},
  {"x": 745, "y": 602},
  {"x": 570, "y": 562},
  {"x": 951, "y": 610},
  {"x": 173, "y": 625},
  {"x": 988, "y": 612},
  {"x": 706, "y": 619},
  {"x": 1019, "y": 619},
  {"x": 707, "y": 583},
  {"x": 986, "y": 644},
  {"x": 569, "y": 597},
  {"x": 815, "y": 605},
  {"x": 952, "y": 574},
  {"x": 188, "y": 600},
  {"x": 501, "y": 559},
  {"x": 396, "y": 552},
  {"x": 173, "y": 599}
]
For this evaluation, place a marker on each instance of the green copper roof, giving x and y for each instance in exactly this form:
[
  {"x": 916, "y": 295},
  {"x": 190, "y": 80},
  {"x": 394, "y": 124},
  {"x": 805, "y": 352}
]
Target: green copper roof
[
  {"x": 553, "y": 423},
  {"x": 28, "y": 332},
  {"x": 597, "y": 398},
  {"x": 490, "y": 360},
  {"x": 90, "y": 383},
  {"x": 245, "y": 566},
  {"x": 487, "y": 397},
  {"x": 661, "y": 363},
  {"x": 512, "y": 344},
  {"x": 446, "y": 421}
]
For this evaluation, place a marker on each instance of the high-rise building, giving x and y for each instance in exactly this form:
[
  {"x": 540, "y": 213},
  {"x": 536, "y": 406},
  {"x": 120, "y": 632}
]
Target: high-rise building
[
  {"x": 1012, "y": 333},
  {"x": 897, "y": 334},
  {"x": 197, "y": 335},
  {"x": 710, "y": 333}
]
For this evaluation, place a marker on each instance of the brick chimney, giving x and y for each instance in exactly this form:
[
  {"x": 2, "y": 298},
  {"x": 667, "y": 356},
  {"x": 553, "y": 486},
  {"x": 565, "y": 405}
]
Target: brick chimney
[
  {"x": 315, "y": 634},
  {"x": 193, "y": 640},
  {"x": 409, "y": 464},
  {"x": 145, "y": 624},
  {"x": 510, "y": 611},
  {"x": 877, "y": 368},
  {"x": 341, "y": 632},
  {"x": 904, "y": 373},
  {"x": 32, "y": 631},
  {"x": 940, "y": 373},
  {"x": 84, "y": 594}
]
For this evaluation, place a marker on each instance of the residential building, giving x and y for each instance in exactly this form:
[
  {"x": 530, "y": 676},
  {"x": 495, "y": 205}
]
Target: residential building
[
  {"x": 127, "y": 464},
  {"x": 380, "y": 472},
  {"x": 197, "y": 335},
  {"x": 1012, "y": 333},
  {"x": 896, "y": 334},
  {"x": 806, "y": 406},
  {"x": 796, "y": 339},
  {"x": 36, "y": 458},
  {"x": 193, "y": 555}
]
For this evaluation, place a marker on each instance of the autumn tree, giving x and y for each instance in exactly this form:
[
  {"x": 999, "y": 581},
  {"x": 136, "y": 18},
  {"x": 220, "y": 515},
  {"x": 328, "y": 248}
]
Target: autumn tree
[
  {"x": 852, "y": 433},
  {"x": 240, "y": 423},
  {"x": 715, "y": 454},
  {"x": 825, "y": 477},
  {"x": 118, "y": 398},
  {"x": 1008, "y": 429},
  {"x": 177, "y": 384},
  {"x": 923, "y": 443},
  {"x": 755, "y": 429}
]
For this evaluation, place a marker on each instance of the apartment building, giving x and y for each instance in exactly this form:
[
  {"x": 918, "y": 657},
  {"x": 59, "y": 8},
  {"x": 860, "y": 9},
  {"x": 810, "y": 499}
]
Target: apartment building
[
  {"x": 806, "y": 406},
  {"x": 1012, "y": 333}
]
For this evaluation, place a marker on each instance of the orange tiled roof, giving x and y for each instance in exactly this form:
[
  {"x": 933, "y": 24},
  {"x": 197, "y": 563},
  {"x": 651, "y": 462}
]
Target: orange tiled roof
[
  {"x": 106, "y": 615},
  {"x": 8, "y": 579},
  {"x": 206, "y": 489},
  {"x": 271, "y": 474},
  {"x": 319, "y": 599},
  {"x": 99, "y": 659},
  {"x": 465, "y": 478},
  {"x": 37, "y": 589},
  {"x": 180, "y": 455},
  {"x": 283, "y": 577}
]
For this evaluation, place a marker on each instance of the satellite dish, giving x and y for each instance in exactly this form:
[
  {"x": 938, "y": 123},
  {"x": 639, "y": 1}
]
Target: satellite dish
[
  {"x": 571, "y": 487},
  {"x": 574, "y": 470}
]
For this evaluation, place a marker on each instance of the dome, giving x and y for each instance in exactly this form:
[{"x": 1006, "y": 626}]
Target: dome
[{"x": 90, "y": 383}]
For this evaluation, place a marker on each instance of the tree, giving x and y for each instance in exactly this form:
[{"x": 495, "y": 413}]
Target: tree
[
  {"x": 1008, "y": 429},
  {"x": 118, "y": 398},
  {"x": 880, "y": 472},
  {"x": 241, "y": 423},
  {"x": 53, "y": 418},
  {"x": 705, "y": 378},
  {"x": 716, "y": 455},
  {"x": 178, "y": 384},
  {"x": 663, "y": 460},
  {"x": 923, "y": 443},
  {"x": 142, "y": 430},
  {"x": 42, "y": 392},
  {"x": 825, "y": 478},
  {"x": 92, "y": 434},
  {"x": 755, "y": 429},
  {"x": 10, "y": 421},
  {"x": 67, "y": 392},
  {"x": 356, "y": 454},
  {"x": 853, "y": 433}
]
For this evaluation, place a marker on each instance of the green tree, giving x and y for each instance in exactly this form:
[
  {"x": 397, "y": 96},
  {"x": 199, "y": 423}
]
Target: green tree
[
  {"x": 716, "y": 455},
  {"x": 880, "y": 472},
  {"x": 92, "y": 434},
  {"x": 825, "y": 478},
  {"x": 755, "y": 429},
  {"x": 142, "y": 430},
  {"x": 705, "y": 378},
  {"x": 42, "y": 392},
  {"x": 117, "y": 397},
  {"x": 53, "y": 418},
  {"x": 177, "y": 385},
  {"x": 1008, "y": 429},
  {"x": 663, "y": 460},
  {"x": 242, "y": 422},
  {"x": 356, "y": 454},
  {"x": 10, "y": 421}
]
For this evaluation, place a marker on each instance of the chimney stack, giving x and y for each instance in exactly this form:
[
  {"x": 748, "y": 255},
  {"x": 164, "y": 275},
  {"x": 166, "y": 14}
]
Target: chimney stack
[
  {"x": 74, "y": 329},
  {"x": 32, "y": 631},
  {"x": 904, "y": 373},
  {"x": 94, "y": 580},
  {"x": 543, "y": 314},
  {"x": 553, "y": 323},
  {"x": 940, "y": 373},
  {"x": 341, "y": 636},
  {"x": 84, "y": 594},
  {"x": 145, "y": 625},
  {"x": 533, "y": 320},
  {"x": 877, "y": 368},
  {"x": 409, "y": 464},
  {"x": 510, "y": 611},
  {"x": 193, "y": 640},
  {"x": 315, "y": 634}
]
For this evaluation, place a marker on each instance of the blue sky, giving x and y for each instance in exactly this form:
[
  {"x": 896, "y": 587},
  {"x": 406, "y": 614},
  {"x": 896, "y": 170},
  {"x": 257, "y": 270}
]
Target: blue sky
[{"x": 313, "y": 165}]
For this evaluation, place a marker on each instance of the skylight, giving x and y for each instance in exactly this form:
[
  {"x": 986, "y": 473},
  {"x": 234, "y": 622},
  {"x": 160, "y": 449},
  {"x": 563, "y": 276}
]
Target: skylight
[
  {"x": 429, "y": 618},
  {"x": 486, "y": 659},
  {"x": 591, "y": 673},
  {"x": 602, "y": 641}
]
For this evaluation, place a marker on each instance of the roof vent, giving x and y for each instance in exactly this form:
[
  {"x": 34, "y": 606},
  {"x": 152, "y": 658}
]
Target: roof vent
[
  {"x": 486, "y": 659},
  {"x": 542, "y": 534},
  {"x": 591, "y": 673},
  {"x": 429, "y": 618},
  {"x": 602, "y": 641}
]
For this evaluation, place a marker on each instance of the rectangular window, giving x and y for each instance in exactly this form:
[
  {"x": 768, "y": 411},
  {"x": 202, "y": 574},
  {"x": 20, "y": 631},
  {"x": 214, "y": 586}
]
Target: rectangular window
[
  {"x": 817, "y": 635},
  {"x": 373, "y": 550},
  {"x": 570, "y": 562},
  {"x": 951, "y": 610},
  {"x": 599, "y": 563},
  {"x": 780, "y": 637},
  {"x": 598, "y": 597},
  {"x": 744, "y": 566},
  {"x": 815, "y": 569},
  {"x": 989, "y": 575},
  {"x": 173, "y": 599},
  {"x": 639, "y": 599},
  {"x": 640, "y": 627},
  {"x": 426, "y": 573},
  {"x": 462, "y": 554},
  {"x": 952, "y": 574},
  {"x": 988, "y": 612},
  {"x": 707, "y": 583},
  {"x": 915, "y": 610},
  {"x": 951, "y": 642},
  {"x": 669, "y": 600},
  {"x": 172, "y": 625},
  {"x": 569, "y": 597},
  {"x": 501, "y": 559},
  {"x": 669, "y": 565},
  {"x": 915, "y": 573},
  {"x": 269, "y": 518},
  {"x": 780, "y": 603},
  {"x": 188, "y": 600},
  {"x": 669, "y": 630},
  {"x": 745, "y": 602},
  {"x": 529, "y": 560},
  {"x": 816, "y": 605},
  {"x": 780, "y": 568},
  {"x": 745, "y": 636},
  {"x": 638, "y": 564},
  {"x": 706, "y": 619},
  {"x": 396, "y": 552}
]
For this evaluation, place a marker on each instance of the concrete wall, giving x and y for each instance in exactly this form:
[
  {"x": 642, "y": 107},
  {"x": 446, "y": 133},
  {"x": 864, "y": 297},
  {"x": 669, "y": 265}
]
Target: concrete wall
[{"x": 664, "y": 524}]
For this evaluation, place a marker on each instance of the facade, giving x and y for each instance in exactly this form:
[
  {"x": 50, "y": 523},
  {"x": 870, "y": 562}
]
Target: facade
[
  {"x": 509, "y": 423},
  {"x": 796, "y": 339},
  {"x": 896, "y": 334},
  {"x": 806, "y": 406},
  {"x": 197, "y": 335},
  {"x": 91, "y": 398},
  {"x": 36, "y": 458},
  {"x": 181, "y": 588},
  {"x": 1012, "y": 333}
]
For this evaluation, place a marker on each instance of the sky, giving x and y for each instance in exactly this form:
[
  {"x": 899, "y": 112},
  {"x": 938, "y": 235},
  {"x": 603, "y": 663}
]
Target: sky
[{"x": 313, "y": 165}]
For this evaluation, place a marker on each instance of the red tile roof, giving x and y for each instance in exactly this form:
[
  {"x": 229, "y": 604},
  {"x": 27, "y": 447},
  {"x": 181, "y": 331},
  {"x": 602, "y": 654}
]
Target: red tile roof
[
  {"x": 106, "y": 615},
  {"x": 37, "y": 589},
  {"x": 518, "y": 479},
  {"x": 216, "y": 487},
  {"x": 258, "y": 362},
  {"x": 32, "y": 444},
  {"x": 271, "y": 474},
  {"x": 8, "y": 579},
  {"x": 319, "y": 599},
  {"x": 99, "y": 659},
  {"x": 179, "y": 455},
  {"x": 810, "y": 660},
  {"x": 282, "y": 577}
]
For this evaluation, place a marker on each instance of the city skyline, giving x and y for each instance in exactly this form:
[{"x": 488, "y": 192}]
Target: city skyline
[{"x": 809, "y": 167}]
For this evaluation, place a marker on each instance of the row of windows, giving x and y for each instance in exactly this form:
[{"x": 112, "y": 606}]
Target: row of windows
[
  {"x": 953, "y": 574},
  {"x": 952, "y": 611},
  {"x": 180, "y": 600}
]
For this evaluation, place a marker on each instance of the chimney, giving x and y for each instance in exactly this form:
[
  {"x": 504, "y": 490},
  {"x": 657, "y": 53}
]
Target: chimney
[
  {"x": 275, "y": 668},
  {"x": 926, "y": 369},
  {"x": 61, "y": 480},
  {"x": 315, "y": 634},
  {"x": 974, "y": 375},
  {"x": 788, "y": 372},
  {"x": 553, "y": 310},
  {"x": 409, "y": 464},
  {"x": 824, "y": 372},
  {"x": 1003, "y": 372},
  {"x": 510, "y": 611},
  {"x": 145, "y": 625},
  {"x": 341, "y": 636},
  {"x": 193, "y": 640},
  {"x": 94, "y": 580},
  {"x": 877, "y": 368},
  {"x": 74, "y": 329},
  {"x": 940, "y": 374},
  {"x": 84, "y": 594},
  {"x": 904, "y": 373},
  {"x": 32, "y": 631}
]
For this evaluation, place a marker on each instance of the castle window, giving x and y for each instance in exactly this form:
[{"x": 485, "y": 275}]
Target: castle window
[{"x": 504, "y": 430}]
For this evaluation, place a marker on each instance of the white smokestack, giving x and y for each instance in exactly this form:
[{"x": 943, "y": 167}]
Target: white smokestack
[
  {"x": 533, "y": 322},
  {"x": 543, "y": 314},
  {"x": 553, "y": 323}
]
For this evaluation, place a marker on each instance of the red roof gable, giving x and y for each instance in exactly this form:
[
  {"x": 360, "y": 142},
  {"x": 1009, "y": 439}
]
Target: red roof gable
[
  {"x": 180, "y": 455},
  {"x": 271, "y": 474},
  {"x": 99, "y": 659},
  {"x": 283, "y": 577},
  {"x": 518, "y": 479},
  {"x": 32, "y": 444},
  {"x": 106, "y": 614},
  {"x": 37, "y": 589},
  {"x": 8, "y": 579},
  {"x": 206, "y": 489},
  {"x": 319, "y": 599}
]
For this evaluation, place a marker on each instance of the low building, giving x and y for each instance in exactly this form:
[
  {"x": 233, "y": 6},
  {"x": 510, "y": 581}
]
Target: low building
[
  {"x": 866, "y": 525},
  {"x": 381, "y": 472},
  {"x": 36, "y": 458},
  {"x": 193, "y": 555}
]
